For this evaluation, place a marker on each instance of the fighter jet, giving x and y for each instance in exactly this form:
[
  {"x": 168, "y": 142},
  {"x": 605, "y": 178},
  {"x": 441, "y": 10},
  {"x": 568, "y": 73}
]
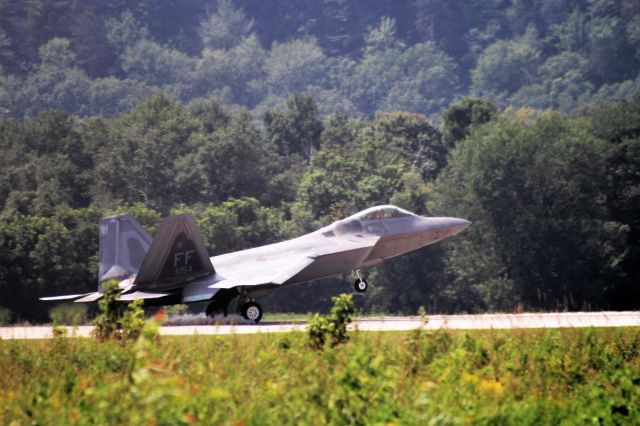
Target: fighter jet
[{"x": 174, "y": 266}]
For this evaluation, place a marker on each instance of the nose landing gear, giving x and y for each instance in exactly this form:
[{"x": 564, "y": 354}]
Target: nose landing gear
[{"x": 360, "y": 284}]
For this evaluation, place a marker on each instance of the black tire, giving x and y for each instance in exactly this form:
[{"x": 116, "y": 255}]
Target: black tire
[
  {"x": 252, "y": 311},
  {"x": 361, "y": 285},
  {"x": 210, "y": 311}
]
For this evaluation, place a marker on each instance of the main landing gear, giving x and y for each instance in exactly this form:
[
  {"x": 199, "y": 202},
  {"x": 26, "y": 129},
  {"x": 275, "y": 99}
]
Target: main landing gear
[
  {"x": 249, "y": 309},
  {"x": 360, "y": 284}
]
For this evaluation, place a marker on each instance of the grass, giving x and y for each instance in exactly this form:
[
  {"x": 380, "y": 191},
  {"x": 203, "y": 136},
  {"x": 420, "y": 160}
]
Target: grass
[
  {"x": 553, "y": 376},
  {"x": 284, "y": 317}
]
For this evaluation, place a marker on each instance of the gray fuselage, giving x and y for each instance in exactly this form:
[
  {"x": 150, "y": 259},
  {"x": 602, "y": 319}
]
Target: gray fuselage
[{"x": 333, "y": 245}]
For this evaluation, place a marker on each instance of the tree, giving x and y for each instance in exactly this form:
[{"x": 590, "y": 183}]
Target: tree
[
  {"x": 617, "y": 125},
  {"x": 541, "y": 233},
  {"x": 157, "y": 65},
  {"x": 225, "y": 28},
  {"x": 45, "y": 164},
  {"x": 47, "y": 255},
  {"x": 296, "y": 130},
  {"x": 561, "y": 85},
  {"x": 382, "y": 37},
  {"x": 125, "y": 32},
  {"x": 57, "y": 83},
  {"x": 233, "y": 161},
  {"x": 291, "y": 67},
  {"x": 139, "y": 164},
  {"x": 413, "y": 139},
  {"x": 463, "y": 116},
  {"x": 235, "y": 75},
  {"x": 503, "y": 68},
  {"x": 429, "y": 81}
]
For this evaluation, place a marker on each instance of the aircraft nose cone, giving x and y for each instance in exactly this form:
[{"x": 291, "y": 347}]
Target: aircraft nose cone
[
  {"x": 456, "y": 225},
  {"x": 445, "y": 225}
]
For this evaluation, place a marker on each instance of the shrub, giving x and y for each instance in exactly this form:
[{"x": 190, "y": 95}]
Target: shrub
[
  {"x": 5, "y": 316},
  {"x": 113, "y": 322},
  {"x": 69, "y": 314},
  {"x": 132, "y": 322},
  {"x": 175, "y": 310},
  {"x": 332, "y": 328}
]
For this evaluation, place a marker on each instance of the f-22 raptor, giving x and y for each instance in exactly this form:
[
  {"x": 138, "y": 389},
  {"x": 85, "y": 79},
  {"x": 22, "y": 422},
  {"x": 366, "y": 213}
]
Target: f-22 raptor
[{"x": 174, "y": 266}]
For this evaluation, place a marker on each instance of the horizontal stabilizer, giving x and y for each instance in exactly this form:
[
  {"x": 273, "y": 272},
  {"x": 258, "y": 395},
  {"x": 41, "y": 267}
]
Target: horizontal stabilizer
[
  {"x": 65, "y": 297},
  {"x": 91, "y": 297},
  {"x": 141, "y": 295}
]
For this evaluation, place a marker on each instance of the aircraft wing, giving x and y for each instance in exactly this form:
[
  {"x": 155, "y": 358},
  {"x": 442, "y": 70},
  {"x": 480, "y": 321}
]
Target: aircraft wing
[
  {"x": 276, "y": 268},
  {"x": 272, "y": 271}
]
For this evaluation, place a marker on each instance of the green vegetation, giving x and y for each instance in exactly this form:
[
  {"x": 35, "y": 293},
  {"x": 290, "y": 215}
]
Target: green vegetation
[
  {"x": 5, "y": 316},
  {"x": 482, "y": 377},
  {"x": 553, "y": 198},
  {"x": 267, "y": 120},
  {"x": 365, "y": 56},
  {"x": 69, "y": 314},
  {"x": 116, "y": 320},
  {"x": 331, "y": 329}
]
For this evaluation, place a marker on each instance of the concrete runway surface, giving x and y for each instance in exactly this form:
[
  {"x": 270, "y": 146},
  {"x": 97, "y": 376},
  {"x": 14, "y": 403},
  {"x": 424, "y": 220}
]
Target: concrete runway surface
[{"x": 450, "y": 322}]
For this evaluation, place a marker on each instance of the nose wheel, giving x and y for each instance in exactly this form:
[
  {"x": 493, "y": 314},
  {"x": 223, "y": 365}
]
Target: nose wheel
[{"x": 360, "y": 284}]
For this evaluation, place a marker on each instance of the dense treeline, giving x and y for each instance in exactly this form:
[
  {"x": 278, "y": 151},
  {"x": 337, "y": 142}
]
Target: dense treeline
[
  {"x": 267, "y": 119},
  {"x": 102, "y": 57},
  {"x": 553, "y": 197}
]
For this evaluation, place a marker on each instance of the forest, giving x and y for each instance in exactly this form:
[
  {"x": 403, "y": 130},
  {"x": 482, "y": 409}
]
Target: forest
[
  {"x": 101, "y": 57},
  {"x": 268, "y": 119}
]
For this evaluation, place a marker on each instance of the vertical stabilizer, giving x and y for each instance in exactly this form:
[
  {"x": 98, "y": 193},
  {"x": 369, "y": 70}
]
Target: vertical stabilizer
[
  {"x": 177, "y": 255},
  {"x": 123, "y": 246}
]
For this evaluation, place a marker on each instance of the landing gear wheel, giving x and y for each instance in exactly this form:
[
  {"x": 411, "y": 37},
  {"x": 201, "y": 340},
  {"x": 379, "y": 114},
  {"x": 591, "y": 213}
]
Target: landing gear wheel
[
  {"x": 361, "y": 285},
  {"x": 214, "y": 308},
  {"x": 210, "y": 311},
  {"x": 251, "y": 311}
]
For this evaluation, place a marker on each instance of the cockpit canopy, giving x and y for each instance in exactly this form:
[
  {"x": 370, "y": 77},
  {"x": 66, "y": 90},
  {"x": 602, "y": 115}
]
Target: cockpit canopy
[{"x": 381, "y": 212}]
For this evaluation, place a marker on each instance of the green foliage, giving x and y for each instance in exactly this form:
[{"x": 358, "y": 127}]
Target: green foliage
[
  {"x": 69, "y": 314},
  {"x": 225, "y": 28},
  {"x": 107, "y": 322},
  {"x": 537, "y": 186},
  {"x": 59, "y": 331},
  {"x": 174, "y": 310},
  {"x": 510, "y": 173},
  {"x": 114, "y": 322},
  {"x": 462, "y": 116},
  {"x": 548, "y": 376},
  {"x": 132, "y": 321},
  {"x": 5, "y": 316},
  {"x": 542, "y": 233},
  {"x": 363, "y": 57},
  {"x": 48, "y": 255},
  {"x": 504, "y": 67},
  {"x": 296, "y": 131},
  {"x": 331, "y": 329},
  {"x": 125, "y": 31}
]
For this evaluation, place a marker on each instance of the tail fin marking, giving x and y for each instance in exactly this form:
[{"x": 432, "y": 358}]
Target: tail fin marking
[{"x": 177, "y": 254}]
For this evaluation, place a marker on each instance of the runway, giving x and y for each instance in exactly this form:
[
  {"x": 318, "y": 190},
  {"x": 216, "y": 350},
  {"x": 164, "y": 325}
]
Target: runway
[{"x": 434, "y": 322}]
